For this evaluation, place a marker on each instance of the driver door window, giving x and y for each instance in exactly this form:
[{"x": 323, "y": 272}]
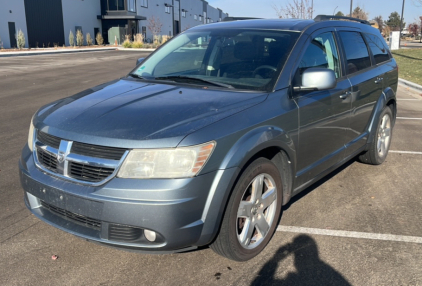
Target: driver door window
[{"x": 321, "y": 53}]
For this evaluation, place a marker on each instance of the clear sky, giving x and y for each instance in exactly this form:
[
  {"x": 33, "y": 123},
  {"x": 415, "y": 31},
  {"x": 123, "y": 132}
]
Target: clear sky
[{"x": 263, "y": 8}]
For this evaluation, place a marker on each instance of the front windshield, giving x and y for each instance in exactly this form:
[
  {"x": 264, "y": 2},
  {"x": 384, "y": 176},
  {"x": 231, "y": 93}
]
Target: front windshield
[{"x": 239, "y": 58}]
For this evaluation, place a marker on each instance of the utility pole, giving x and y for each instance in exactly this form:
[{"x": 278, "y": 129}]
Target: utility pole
[
  {"x": 401, "y": 22},
  {"x": 420, "y": 35},
  {"x": 351, "y": 7}
]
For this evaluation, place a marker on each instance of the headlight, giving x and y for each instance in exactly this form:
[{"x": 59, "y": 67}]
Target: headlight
[
  {"x": 31, "y": 135},
  {"x": 180, "y": 162}
]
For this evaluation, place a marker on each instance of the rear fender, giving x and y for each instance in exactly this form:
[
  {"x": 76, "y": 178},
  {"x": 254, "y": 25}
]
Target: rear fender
[{"x": 387, "y": 95}]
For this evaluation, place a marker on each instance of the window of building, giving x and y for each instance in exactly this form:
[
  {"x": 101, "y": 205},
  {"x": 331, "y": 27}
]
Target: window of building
[
  {"x": 378, "y": 48},
  {"x": 144, "y": 3},
  {"x": 212, "y": 21},
  {"x": 167, "y": 9},
  {"x": 144, "y": 32},
  {"x": 219, "y": 20},
  {"x": 184, "y": 13},
  {"x": 131, "y": 5},
  {"x": 114, "y": 5},
  {"x": 200, "y": 18},
  {"x": 195, "y": 17},
  {"x": 321, "y": 53},
  {"x": 356, "y": 51}
]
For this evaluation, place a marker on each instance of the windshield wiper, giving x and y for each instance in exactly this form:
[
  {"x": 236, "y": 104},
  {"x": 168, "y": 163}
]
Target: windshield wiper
[
  {"x": 190, "y": 78},
  {"x": 136, "y": 76}
]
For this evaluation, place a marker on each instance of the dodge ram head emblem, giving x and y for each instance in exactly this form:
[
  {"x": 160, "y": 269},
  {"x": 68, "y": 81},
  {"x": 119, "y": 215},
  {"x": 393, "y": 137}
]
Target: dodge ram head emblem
[{"x": 61, "y": 156}]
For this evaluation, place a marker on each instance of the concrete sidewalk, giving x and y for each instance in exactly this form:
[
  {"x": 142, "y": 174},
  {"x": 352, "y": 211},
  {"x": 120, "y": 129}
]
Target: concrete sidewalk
[
  {"x": 49, "y": 51},
  {"x": 410, "y": 84}
]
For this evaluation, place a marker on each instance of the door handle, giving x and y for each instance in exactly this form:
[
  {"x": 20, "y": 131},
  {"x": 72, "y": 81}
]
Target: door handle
[
  {"x": 379, "y": 80},
  {"x": 345, "y": 95}
]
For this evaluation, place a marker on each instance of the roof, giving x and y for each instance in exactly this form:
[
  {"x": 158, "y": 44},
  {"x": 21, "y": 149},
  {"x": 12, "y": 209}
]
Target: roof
[{"x": 268, "y": 24}]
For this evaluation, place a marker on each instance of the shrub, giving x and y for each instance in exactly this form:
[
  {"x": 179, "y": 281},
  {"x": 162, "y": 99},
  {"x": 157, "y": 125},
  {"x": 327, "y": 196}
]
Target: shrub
[
  {"x": 164, "y": 39},
  {"x": 137, "y": 45},
  {"x": 79, "y": 38},
  {"x": 71, "y": 39},
  {"x": 100, "y": 39},
  {"x": 139, "y": 38},
  {"x": 127, "y": 44},
  {"x": 20, "y": 40},
  {"x": 88, "y": 39}
]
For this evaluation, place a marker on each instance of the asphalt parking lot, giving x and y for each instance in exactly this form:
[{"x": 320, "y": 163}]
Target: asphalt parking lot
[{"x": 362, "y": 225}]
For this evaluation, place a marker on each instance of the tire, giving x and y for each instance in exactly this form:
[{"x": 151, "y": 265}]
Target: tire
[
  {"x": 378, "y": 149},
  {"x": 250, "y": 220}
]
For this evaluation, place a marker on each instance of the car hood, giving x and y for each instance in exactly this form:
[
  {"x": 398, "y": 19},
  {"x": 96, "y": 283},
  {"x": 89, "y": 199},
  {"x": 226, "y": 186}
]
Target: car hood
[{"x": 134, "y": 114}]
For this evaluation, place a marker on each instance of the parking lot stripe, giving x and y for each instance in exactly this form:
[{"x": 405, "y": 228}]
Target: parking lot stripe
[
  {"x": 405, "y": 152},
  {"x": 409, "y": 118},
  {"x": 350, "y": 234}
]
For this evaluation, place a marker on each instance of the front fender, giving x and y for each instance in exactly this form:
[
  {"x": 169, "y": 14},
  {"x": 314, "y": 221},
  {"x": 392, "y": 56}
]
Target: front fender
[{"x": 255, "y": 141}]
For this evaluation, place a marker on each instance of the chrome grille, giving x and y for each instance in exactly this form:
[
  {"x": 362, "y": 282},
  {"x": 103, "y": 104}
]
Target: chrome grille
[
  {"x": 47, "y": 160},
  {"x": 48, "y": 139},
  {"x": 97, "y": 151},
  {"x": 75, "y": 161},
  {"x": 89, "y": 173}
]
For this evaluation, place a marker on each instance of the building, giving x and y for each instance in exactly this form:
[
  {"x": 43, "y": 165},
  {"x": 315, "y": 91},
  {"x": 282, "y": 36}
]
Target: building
[{"x": 46, "y": 23}]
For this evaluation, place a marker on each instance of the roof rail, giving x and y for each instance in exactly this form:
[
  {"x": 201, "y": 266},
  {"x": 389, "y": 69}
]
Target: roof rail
[
  {"x": 332, "y": 17},
  {"x": 228, "y": 19}
]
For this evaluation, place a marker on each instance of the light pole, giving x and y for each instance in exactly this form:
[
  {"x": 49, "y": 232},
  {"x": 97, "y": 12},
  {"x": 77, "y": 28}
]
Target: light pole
[
  {"x": 420, "y": 35},
  {"x": 335, "y": 10},
  {"x": 351, "y": 7},
  {"x": 401, "y": 22}
]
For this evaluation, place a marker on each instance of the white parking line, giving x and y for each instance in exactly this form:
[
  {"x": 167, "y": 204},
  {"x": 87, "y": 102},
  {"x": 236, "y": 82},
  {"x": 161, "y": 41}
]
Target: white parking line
[
  {"x": 405, "y": 152},
  {"x": 409, "y": 118},
  {"x": 350, "y": 234}
]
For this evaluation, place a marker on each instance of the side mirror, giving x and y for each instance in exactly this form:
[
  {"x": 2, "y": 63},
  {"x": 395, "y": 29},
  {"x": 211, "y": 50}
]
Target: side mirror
[
  {"x": 140, "y": 60},
  {"x": 317, "y": 79}
]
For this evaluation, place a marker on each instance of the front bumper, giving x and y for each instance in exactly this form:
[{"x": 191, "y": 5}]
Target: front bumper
[{"x": 185, "y": 213}]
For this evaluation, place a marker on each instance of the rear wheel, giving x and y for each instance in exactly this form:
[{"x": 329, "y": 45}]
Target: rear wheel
[
  {"x": 252, "y": 213},
  {"x": 378, "y": 149}
]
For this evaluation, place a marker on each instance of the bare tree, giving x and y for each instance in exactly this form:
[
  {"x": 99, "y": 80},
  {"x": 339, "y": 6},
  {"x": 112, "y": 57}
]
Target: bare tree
[
  {"x": 414, "y": 29},
  {"x": 154, "y": 25},
  {"x": 380, "y": 22},
  {"x": 300, "y": 9}
]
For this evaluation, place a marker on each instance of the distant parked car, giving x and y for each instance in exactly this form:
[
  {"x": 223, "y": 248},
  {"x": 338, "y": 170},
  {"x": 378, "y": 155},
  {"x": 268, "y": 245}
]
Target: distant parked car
[{"x": 207, "y": 138}]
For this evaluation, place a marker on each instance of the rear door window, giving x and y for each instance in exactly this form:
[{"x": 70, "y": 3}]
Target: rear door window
[
  {"x": 378, "y": 48},
  {"x": 357, "y": 54}
]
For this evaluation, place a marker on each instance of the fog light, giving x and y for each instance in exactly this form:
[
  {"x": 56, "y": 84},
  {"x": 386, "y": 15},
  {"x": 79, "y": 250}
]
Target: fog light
[{"x": 150, "y": 235}]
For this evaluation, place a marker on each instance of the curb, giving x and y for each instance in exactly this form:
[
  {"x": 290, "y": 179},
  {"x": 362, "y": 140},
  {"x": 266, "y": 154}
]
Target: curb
[
  {"x": 410, "y": 84},
  {"x": 135, "y": 50},
  {"x": 37, "y": 53}
]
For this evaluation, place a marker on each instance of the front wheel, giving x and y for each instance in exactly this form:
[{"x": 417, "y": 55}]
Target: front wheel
[
  {"x": 378, "y": 149},
  {"x": 252, "y": 213}
]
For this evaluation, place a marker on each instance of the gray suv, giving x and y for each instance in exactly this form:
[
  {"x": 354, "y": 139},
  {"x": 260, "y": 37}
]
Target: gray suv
[{"x": 207, "y": 138}]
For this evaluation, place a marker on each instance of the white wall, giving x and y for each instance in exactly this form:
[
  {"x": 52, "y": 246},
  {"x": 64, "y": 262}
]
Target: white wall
[
  {"x": 18, "y": 16},
  {"x": 193, "y": 7},
  {"x": 80, "y": 13},
  {"x": 156, "y": 8}
]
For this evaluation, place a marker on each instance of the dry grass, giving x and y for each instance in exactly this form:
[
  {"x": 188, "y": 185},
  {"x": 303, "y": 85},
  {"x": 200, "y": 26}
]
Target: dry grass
[{"x": 410, "y": 64}]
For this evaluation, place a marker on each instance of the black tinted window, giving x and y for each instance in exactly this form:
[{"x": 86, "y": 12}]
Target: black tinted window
[
  {"x": 378, "y": 48},
  {"x": 356, "y": 51}
]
